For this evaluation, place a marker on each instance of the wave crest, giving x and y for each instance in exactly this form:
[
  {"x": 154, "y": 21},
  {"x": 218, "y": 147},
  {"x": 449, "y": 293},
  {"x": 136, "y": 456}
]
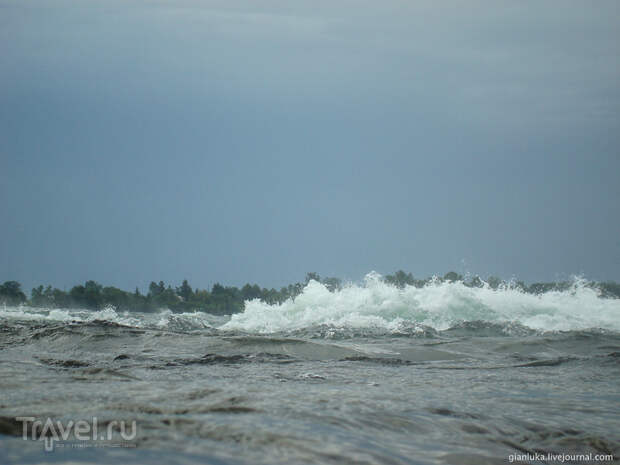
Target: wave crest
[{"x": 438, "y": 305}]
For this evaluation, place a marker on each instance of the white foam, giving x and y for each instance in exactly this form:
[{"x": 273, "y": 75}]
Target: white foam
[
  {"x": 437, "y": 305},
  {"x": 164, "y": 319}
]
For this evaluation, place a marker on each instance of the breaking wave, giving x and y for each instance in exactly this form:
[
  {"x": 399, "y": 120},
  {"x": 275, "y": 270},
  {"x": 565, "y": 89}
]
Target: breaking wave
[
  {"x": 438, "y": 305},
  {"x": 376, "y": 308}
]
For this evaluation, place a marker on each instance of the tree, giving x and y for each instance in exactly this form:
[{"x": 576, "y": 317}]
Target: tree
[
  {"x": 88, "y": 296},
  {"x": 92, "y": 294},
  {"x": 77, "y": 294},
  {"x": 452, "y": 276},
  {"x": 312, "y": 276},
  {"x": 185, "y": 291},
  {"x": 59, "y": 298},
  {"x": 36, "y": 296},
  {"x": 475, "y": 282},
  {"x": 249, "y": 292},
  {"x": 11, "y": 293},
  {"x": 610, "y": 289},
  {"x": 494, "y": 282},
  {"x": 113, "y": 296},
  {"x": 156, "y": 289},
  {"x": 332, "y": 284},
  {"x": 400, "y": 279}
]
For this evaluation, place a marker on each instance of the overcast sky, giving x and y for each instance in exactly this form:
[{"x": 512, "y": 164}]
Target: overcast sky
[{"x": 238, "y": 141}]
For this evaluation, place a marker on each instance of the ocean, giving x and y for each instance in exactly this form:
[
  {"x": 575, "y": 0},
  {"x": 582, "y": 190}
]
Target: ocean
[{"x": 368, "y": 374}]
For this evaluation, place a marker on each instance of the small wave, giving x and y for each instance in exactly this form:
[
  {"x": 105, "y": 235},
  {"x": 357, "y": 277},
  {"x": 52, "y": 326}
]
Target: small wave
[
  {"x": 108, "y": 314},
  {"x": 64, "y": 363},
  {"x": 486, "y": 328},
  {"x": 217, "y": 359},
  {"x": 380, "y": 360},
  {"x": 185, "y": 321},
  {"x": 548, "y": 363},
  {"x": 164, "y": 319}
]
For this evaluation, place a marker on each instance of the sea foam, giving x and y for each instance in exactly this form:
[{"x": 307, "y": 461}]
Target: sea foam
[{"x": 439, "y": 305}]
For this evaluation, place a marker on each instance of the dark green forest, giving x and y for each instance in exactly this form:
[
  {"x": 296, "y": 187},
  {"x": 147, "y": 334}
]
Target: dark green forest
[{"x": 230, "y": 299}]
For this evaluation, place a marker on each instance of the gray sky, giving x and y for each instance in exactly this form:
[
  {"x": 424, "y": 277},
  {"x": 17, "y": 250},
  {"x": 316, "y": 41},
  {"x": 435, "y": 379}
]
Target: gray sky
[{"x": 257, "y": 140}]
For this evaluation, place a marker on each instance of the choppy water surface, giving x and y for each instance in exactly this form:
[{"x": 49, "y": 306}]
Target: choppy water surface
[{"x": 368, "y": 374}]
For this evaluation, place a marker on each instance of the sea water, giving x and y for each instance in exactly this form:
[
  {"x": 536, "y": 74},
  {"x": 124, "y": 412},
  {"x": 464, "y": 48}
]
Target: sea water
[{"x": 369, "y": 374}]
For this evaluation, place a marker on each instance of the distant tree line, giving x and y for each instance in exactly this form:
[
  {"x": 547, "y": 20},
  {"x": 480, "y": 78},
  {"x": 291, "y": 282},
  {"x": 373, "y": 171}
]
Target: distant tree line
[
  {"x": 219, "y": 300},
  {"x": 230, "y": 299}
]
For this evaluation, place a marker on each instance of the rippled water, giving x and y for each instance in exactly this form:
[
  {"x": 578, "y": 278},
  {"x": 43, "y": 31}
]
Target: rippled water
[{"x": 365, "y": 375}]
